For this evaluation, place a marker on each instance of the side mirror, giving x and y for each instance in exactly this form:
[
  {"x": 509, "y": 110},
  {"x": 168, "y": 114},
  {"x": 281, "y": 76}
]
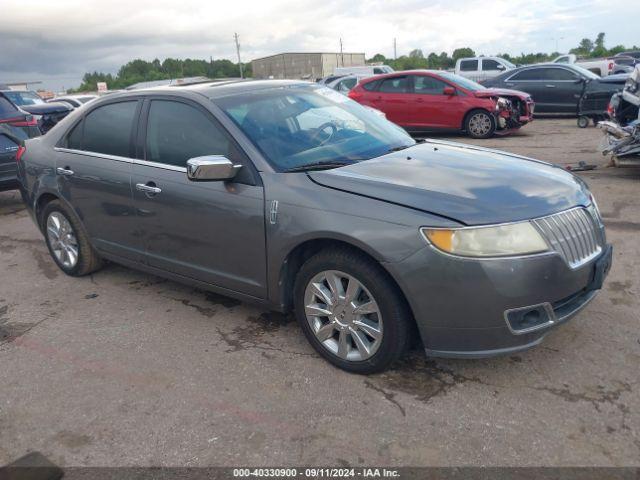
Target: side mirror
[
  {"x": 579, "y": 80},
  {"x": 211, "y": 168},
  {"x": 501, "y": 67},
  {"x": 448, "y": 91}
]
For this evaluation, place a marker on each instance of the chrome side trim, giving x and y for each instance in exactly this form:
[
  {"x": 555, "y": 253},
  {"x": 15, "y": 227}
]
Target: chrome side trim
[
  {"x": 163, "y": 166},
  {"x": 94, "y": 154}
]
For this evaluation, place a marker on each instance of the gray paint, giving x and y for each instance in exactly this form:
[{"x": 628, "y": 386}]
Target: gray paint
[{"x": 217, "y": 235}]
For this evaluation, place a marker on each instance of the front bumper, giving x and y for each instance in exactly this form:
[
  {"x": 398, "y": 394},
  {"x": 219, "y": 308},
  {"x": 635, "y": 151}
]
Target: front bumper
[{"x": 462, "y": 305}]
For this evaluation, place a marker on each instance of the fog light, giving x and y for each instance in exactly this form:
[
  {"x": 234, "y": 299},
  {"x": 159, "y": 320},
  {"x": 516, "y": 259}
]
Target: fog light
[{"x": 527, "y": 319}]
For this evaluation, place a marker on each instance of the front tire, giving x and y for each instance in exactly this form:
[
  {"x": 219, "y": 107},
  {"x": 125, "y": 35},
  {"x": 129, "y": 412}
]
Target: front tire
[
  {"x": 351, "y": 311},
  {"x": 480, "y": 124},
  {"x": 67, "y": 241}
]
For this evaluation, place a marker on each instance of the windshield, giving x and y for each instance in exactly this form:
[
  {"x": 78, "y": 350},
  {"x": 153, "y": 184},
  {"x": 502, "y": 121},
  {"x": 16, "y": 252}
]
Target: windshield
[
  {"x": 24, "y": 98},
  {"x": 303, "y": 126},
  {"x": 461, "y": 81}
]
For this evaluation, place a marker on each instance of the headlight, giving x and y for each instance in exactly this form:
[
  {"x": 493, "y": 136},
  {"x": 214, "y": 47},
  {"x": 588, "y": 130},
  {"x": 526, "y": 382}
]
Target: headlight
[{"x": 494, "y": 241}]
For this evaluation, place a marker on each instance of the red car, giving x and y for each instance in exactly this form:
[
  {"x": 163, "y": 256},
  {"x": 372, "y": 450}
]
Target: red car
[{"x": 420, "y": 100}]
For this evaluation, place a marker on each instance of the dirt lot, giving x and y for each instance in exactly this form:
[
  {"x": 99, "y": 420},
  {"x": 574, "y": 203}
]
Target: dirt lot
[{"x": 123, "y": 368}]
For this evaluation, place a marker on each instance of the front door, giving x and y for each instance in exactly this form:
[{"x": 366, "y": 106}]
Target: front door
[
  {"x": 210, "y": 231},
  {"x": 430, "y": 107}
]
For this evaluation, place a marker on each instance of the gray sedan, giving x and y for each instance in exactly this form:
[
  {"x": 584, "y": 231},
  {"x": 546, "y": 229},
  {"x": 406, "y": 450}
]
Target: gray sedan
[{"x": 292, "y": 196}]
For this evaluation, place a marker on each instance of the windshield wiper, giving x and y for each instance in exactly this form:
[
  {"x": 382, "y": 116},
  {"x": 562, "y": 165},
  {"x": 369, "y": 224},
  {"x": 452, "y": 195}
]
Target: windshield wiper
[
  {"x": 403, "y": 147},
  {"x": 316, "y": 166}
]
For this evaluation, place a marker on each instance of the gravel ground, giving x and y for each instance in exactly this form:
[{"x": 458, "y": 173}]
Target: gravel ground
[{"x": 123, "y": 368}]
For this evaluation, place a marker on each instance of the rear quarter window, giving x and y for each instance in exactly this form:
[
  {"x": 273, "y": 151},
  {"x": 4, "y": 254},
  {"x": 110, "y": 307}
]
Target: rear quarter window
[{"x": 371, "y": 86}]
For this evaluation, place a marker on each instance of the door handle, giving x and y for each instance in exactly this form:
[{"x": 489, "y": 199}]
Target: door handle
[
  {"x": 550, "y": 86},
  {"x": 64, "y": 171},
  {"x": 150, "y": 187},
  {"x": 419, "y": 100}
]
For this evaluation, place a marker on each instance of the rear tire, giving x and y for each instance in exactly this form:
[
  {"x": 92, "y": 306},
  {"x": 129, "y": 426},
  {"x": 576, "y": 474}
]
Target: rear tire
[
  {"x": 351, "y": 311},
  {"x": 480, "y": 124},
  {"x": 67, "y": 241},
  {"x": 583, "y": 121}
]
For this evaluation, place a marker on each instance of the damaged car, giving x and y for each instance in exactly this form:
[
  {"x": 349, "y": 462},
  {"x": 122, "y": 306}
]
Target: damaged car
[{"x": 426, "y": 100}]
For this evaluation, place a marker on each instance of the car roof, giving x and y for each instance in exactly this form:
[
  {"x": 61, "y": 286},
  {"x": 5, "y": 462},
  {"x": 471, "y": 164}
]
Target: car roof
[{"x": 228, "y": 87}]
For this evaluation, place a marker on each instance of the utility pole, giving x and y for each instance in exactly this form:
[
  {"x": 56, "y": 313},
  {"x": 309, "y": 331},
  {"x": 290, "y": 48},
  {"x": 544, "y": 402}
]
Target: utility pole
[
  {"x": 395, "y": 52},
  {"x": 556, "y": 39},
  {"x": 341, "y": 54},
  {"x": 235, "y": 37}
]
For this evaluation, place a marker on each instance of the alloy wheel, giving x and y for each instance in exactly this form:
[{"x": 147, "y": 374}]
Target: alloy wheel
[
  {"x": 480, "y": 124},
  {"x": 62, "y": 240},
  {"x": 343, "y": 315}
]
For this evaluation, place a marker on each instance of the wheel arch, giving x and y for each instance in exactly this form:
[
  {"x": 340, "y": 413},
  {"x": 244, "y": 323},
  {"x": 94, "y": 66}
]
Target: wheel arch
[
  {"x": 470, "y": 112},
  {"x": 308, "y": 248},
  {"x": 41, "y": 202}
]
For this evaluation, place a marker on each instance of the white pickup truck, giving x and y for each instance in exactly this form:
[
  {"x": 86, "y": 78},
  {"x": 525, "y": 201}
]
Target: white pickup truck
[
  {"x": 599, "y": 66},
  {"x": 482, "y": 68}
]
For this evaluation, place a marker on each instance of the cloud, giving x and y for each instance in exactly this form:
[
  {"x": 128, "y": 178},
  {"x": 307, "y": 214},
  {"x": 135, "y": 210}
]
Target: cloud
[{"x": 66, "y": 38}]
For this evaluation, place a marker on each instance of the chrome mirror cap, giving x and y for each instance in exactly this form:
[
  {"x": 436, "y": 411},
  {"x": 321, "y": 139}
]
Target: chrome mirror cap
[{"x": 211, "y": 168}]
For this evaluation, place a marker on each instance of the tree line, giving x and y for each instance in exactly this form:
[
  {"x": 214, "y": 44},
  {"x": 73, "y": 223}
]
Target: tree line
[
  {"x": 139, "y": 70},
  {"x": 417, "y": 60},
  {"x": 143, "y": 71}
]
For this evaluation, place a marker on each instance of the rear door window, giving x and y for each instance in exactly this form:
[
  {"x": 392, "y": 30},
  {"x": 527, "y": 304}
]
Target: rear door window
[
  {"x": 107, "y": 129},
  {"x": 559, "y": 74},
  {"x": 530, "y": 74},
  {"x": 394, "y": 85},
  {"x": 469, "y": 65}
]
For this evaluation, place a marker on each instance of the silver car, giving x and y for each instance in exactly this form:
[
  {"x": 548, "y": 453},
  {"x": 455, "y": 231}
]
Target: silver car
[{"x": 292, "y": 196}]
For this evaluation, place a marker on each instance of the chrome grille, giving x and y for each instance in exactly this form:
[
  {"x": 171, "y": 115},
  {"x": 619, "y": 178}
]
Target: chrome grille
[{"x": 576, "y": 234}]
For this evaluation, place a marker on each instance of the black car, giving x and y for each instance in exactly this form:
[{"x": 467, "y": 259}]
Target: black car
[
  {"x": 46, "y": 114},
  {"x": 632, "y": 53},
  {"x": 555, "y": 88},
  {"x": 594, "y": 102},
  {"x": 15, "y": 127}
]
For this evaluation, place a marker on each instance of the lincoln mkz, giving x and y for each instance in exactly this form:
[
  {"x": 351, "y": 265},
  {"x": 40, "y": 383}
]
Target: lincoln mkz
[{"x": 294, "y": 197}]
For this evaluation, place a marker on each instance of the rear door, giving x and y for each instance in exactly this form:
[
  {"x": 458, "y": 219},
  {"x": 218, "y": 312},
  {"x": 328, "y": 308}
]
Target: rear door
[
  {"x": 210, "y": 231},
  {"x": 429, "y": 107},
  {"x": 470, "y": 69},
  {"x": 93, "y": 167},
  {"x": 393, "y": 99}
]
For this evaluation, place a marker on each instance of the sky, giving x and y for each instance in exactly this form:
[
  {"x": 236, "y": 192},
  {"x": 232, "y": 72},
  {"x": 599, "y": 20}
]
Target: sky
[{"x": 57, "y": 41}]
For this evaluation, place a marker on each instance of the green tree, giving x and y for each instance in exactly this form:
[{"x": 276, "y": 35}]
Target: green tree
[
  {"x": 378, "y": 58},
  {"x": 462, "y": 53}
]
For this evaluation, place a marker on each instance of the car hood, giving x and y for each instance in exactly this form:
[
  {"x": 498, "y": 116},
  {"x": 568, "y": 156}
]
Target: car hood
[
  {"x": 500, "y": 92},
  {"x": 46, "y": 108},
  {"x": 471, "y": 185}
]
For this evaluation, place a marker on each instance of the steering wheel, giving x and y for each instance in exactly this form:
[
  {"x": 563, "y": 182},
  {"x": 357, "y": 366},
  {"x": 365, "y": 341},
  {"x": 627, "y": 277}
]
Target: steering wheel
[{"x": 322, "y": 129}]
